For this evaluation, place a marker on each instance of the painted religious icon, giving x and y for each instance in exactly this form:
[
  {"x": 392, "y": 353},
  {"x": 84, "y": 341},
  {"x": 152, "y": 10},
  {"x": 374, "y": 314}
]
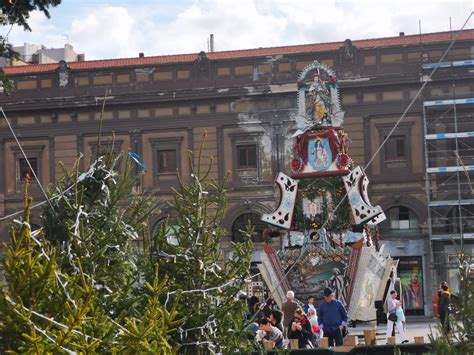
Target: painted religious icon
[{"x": 320, "y": 155}]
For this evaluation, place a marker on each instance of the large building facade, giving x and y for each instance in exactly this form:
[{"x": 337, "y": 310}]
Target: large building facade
[{"x": 245, "y": 101}]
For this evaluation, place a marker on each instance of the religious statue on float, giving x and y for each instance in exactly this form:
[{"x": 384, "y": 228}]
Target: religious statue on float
[
  {"x": 328, "y": 238},
  {"x": 318, "y": 101}
]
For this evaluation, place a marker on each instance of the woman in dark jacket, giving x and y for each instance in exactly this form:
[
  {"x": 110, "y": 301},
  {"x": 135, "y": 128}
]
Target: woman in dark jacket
[
  {"x": 300, "y": 328},
  {"x": 269, "y": 306},
  {"x": 444, "y": 297}
]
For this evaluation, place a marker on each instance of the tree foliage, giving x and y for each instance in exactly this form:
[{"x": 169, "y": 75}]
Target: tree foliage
[
  {"x": 17, "y": 12},
  {"x": 460, "y": 340},
  {"x": 77, "y": 284},
  {"x": 190, "y": 257},
  {"x": 61, "y": 289},
  {"x": 97, "y": 219},
  {"x": 41, "y": 308}
]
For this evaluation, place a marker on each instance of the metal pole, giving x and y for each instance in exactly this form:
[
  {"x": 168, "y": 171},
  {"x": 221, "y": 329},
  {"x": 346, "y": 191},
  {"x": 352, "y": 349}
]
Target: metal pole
[
  {"x": 457, "y": 166},
  {"x": 434, "y": 271}
]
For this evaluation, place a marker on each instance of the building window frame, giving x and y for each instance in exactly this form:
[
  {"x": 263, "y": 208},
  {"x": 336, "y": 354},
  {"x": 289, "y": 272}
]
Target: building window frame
[
  {"x": 401, "y": 221},
  {"x": 32, "y": 152},
  {"x": 250, "y": 160},
  {"x": 169, "y": 167},
  {"x": 164, "y": 179},
  {"x": 104, "y": 144},
  {"x": 396, "y": 167},
  {"x": 246, "y": 175},
  {"x": 398, "y": 152},
  {"x": 22, "y": 164}
]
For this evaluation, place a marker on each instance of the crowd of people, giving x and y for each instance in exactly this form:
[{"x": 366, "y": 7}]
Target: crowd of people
[
  {"x": 306, "y": 324},
  {"x": 302, "y": 324}
]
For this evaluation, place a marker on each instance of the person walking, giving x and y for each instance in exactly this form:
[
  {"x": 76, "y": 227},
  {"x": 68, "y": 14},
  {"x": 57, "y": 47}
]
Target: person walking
[
  {"x": 392, "y": 318},
  {"x": 444, "y": 298},
  {"x": 288, "y": 308},
  {"x": 401, "y": 317},
  {"x": 332, "y": 318},
  {"x": 300, "y": 328}
]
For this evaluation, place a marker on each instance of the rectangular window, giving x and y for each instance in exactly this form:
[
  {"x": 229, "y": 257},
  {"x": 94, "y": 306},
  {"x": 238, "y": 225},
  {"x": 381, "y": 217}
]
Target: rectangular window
[
  {"x": 284, "y": 67},
  {"x": 223, "y": 71},
  {"x": 24, "y": 170},
  {"x": 391, "y": 58},
  {"x": 247, "y": 157},
  {"x": 26, "y": 85},
  {"x": 163, "y": 75},
  {"x": 166, "y": 161},
  {"x": 243, "y": 70},
  {"x": 370, "y": 60},
  {"x": 183, "y": 74},
  {"x": 395, "y": 148},
  {"x": 102, "y": 79},
  {"x": 403, "y": 217},
  {"x": 399, "y": 217}
]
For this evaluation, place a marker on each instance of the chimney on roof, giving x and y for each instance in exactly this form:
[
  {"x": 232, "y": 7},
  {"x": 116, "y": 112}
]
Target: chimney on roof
[
  {"x": 34, "y": 58},
  {"x": 401, "y": 34},
  {"x": 141, "y": 55},
  {"x": 81, "y": 57},
  {"x": 211, "y": 43}
]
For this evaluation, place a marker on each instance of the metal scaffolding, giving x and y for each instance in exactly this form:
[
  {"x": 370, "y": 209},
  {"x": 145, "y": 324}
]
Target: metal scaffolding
[{"x": 449, "y": 172}]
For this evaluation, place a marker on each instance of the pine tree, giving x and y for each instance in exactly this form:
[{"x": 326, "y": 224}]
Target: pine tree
[
  {"x": 193, "y": 264},
  {"x": 49, "y": 306},
  {"x": 42, "y": 309},
  {"x": 66, "y": 290},
  {"x": 96, "y": 220}
]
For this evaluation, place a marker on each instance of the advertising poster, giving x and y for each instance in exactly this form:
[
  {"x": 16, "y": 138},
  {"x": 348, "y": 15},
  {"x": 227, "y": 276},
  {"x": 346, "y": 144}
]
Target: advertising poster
[{"x": 411, "y": 278}]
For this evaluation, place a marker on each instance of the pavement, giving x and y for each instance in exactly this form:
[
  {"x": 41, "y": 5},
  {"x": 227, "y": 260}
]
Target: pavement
[{"x": 415, "y": 326}]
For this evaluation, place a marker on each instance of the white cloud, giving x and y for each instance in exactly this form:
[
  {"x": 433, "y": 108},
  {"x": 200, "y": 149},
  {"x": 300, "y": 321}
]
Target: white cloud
[
  {"x": 43, "y": 32},
  {"x": 159, "y": 28},
  {"x": 106, "y": 31},
  {"x": 236, "y": 24},
  {"x": 334, "y": 20}
]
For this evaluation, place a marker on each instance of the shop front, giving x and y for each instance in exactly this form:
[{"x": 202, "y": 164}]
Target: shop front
[
  {"x": 410, "y": 272},
  {"x": 413, "y": 271}
]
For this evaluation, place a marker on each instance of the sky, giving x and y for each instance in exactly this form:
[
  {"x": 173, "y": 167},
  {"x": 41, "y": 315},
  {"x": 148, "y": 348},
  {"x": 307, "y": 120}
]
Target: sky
[{"x": 103, "y": 29}]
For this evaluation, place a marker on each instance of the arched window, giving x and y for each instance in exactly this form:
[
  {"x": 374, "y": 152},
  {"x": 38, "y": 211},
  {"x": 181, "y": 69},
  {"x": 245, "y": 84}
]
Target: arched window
[
  {"x": 400, "y": 218},
  {"x": 241, "y": 222},
  {"x": 171, "y": 231}
]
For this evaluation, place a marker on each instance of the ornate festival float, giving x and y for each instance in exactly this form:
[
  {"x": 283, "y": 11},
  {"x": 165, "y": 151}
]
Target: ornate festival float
[{"x": 325, "y": 215}]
